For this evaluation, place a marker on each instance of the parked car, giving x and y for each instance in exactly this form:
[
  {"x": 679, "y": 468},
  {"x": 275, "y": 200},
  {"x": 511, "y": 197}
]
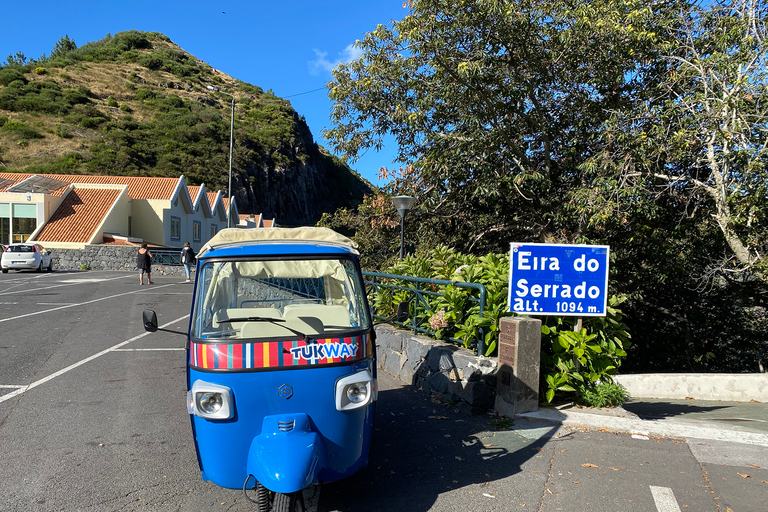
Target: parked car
[{"x": 26, "y": 256}]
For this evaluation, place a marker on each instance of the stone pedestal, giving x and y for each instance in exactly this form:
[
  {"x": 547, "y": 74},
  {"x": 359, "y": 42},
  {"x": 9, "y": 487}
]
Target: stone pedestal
[{"x": 517, "y": 388}]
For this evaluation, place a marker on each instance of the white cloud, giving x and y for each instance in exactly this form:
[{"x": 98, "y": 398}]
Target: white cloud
[{"x": 322, "y": 63}]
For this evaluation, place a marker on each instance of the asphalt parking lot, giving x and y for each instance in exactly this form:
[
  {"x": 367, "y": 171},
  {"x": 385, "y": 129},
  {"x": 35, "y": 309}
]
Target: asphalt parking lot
[{"x": 92, "y": 418}]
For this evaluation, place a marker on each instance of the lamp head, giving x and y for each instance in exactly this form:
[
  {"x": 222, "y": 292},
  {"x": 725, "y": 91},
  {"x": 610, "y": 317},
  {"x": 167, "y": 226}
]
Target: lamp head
[{"x": 403, "y": 204}]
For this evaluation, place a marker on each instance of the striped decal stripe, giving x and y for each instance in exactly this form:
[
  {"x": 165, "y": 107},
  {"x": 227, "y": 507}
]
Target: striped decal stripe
[{"x": 274, "y": 354}]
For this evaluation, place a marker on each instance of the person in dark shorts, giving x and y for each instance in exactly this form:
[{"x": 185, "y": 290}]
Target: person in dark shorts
[{"x": 144, "y": 263}]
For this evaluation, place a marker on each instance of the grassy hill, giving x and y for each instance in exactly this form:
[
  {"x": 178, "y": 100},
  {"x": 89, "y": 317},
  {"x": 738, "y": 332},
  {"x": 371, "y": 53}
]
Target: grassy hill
[{"x": 137, "y": 104}]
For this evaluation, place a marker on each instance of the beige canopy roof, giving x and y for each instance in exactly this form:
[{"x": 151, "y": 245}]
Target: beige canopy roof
[{"x": 236, "y": 236}]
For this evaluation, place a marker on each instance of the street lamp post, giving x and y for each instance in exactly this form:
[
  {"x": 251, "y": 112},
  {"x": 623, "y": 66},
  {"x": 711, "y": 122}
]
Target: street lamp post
[
  {"x": 231, "y": 145},
  {"x": 403, "y": 204}
]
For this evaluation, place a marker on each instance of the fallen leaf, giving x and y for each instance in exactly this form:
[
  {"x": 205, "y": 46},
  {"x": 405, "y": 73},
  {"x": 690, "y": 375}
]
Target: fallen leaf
[
  {"x": 729, "y": 509},
  {"x": 488, "y": 495},
  {"x": 754, "y": 466},
  {"x": 743, "y": 475},
  {"x": 765, "y": 481},
  {"x": 589, "y": 466},
  {"x": 460, "y": 459},
  {"x": 615, "y": 469},
  {"x": 437, "y": 417},
  {"x": 577, "y": 482}
]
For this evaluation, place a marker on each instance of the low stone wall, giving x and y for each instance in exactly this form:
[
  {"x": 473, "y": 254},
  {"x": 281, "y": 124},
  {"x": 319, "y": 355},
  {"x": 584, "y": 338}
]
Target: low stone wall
[
  {"x": 736, "y": 387},
  {"x": 449, "y": 372},
  {"x": 106, "y": 257}
]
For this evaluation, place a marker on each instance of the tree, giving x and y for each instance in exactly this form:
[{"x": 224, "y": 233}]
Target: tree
[
  {"x": 494, "y": 105},
  {"x": 635, "y": 124},
  {"x": 703, "y": 138},
  {"x": 17, "y": 60},
  {"x": 62, "y": 47}
]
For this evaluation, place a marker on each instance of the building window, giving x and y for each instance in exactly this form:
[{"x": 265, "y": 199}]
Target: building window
[
  {"x": 214, "y": 229},
  {"x": 22, "y": 229},
  {"x": 196, "y": 230},
  {"x": 175, "y": 228}
]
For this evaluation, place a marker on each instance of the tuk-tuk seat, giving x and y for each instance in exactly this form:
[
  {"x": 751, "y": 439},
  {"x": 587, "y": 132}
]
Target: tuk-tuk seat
[
  {"x": 329, "y": 315},
  {"x": 305, "y": 325},
  {"x": 226, "y": 314}
]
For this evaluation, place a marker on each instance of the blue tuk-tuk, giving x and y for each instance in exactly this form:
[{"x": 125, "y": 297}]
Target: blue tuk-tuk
[{"x": 281, "y": 365}]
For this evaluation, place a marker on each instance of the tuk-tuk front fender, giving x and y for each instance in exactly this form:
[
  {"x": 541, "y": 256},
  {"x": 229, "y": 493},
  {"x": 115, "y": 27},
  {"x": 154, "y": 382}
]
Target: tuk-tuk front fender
[{"x": 287, "y": 456}]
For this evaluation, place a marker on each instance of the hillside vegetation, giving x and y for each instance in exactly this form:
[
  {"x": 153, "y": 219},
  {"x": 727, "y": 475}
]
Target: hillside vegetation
[{"x": 136, "y": 104}]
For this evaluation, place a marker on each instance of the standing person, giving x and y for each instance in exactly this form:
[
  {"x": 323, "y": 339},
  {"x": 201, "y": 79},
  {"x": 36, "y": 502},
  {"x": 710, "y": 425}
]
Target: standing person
[
  {"x": 187, "y": 258},
  {"x": 144, "y": 263}
]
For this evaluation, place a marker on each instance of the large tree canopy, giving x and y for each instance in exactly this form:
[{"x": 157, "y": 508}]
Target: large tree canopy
[
  {"x": 701, "y": 139},
  {"x": 495, "y": 104},
  {"x": 633, "y": 123}
]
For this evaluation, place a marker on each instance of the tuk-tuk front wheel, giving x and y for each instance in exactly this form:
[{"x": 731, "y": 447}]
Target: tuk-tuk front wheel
[{"x": 293, "y": 502}]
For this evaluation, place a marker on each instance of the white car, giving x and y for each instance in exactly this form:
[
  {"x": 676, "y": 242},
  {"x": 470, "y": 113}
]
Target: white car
[{"x": 26, "y": 256}]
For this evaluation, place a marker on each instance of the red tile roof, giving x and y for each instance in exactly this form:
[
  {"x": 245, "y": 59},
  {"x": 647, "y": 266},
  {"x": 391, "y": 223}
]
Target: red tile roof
[
  {"x": 78, "y": 216},
  {"x": 138, "y": 187}
]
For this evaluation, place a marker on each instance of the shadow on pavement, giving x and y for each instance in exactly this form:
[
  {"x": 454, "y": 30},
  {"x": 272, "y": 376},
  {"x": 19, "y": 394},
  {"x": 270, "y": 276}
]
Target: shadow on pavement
[
  {"x": 423, "y": 449},
  {"x": 660, "y": 409}
]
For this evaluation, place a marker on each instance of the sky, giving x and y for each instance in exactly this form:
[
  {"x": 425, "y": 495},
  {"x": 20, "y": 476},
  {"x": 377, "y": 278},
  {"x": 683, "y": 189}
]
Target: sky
[{"x": 287, "y": 46}]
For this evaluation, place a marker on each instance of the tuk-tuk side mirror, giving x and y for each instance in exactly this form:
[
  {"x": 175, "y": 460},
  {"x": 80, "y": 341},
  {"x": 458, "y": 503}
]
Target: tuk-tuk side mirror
[{"x": 149, "y": 318}]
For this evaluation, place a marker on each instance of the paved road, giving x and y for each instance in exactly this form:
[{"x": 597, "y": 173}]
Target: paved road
[{"x": 92, "y": 418}]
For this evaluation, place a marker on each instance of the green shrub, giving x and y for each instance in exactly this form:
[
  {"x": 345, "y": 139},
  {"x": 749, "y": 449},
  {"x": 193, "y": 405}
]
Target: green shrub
[
  {"x": 111, "y": 101},
  {"x": 574, "y": 361},
  {"x": 571, "y": 362},
  {"x": 20, "y": 130},
  {"x": 453, "y": 315},
  {"x": 40, "y": 71},
  {"x": 8, "y": 75},
  {"x": 604, "y": 394},
  {"x": 143, "y": 93},
  {"x": 62, "y": 131}
]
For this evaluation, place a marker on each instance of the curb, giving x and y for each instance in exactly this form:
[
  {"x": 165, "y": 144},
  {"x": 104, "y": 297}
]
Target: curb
[{"x": 662, "y": 428}]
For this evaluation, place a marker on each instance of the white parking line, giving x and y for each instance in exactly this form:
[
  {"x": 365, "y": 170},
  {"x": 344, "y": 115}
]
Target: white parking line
[
  {"x": 68, "y": 282},
  {"x": 80, "y": 363},
  {"x": 11, "y": 386},
  {"x": 79, "y": 304},
  {"x": 146, "y": 349},
  {"x": 665, "y": 499}
]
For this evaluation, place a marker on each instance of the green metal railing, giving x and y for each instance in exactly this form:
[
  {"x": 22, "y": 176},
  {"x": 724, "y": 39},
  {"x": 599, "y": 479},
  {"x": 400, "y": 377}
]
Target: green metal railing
[
  {"x": 166, "y": 256},
  {"x": 374, "y": 282}
]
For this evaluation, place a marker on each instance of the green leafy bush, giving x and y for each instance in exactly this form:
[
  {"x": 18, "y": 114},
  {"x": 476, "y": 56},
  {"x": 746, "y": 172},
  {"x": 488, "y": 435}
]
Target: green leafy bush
[
  {"x": 604, "y": 394},
  {"x": 454, "y": 314},
  {"x": 20, "y": 130},
  {"x": 575, "y": 361},
  {"x": 571, "y": 362},
  {"x": 8, "y": 75}
]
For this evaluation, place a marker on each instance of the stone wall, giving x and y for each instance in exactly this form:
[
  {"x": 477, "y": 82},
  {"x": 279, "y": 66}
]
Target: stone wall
[
  {"x": 452, "y": 374},
  {"x": 106, "y": 257}
]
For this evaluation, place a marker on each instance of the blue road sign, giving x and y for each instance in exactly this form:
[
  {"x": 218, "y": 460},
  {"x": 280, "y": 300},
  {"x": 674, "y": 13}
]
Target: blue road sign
[{"x": 562, "y": 280}]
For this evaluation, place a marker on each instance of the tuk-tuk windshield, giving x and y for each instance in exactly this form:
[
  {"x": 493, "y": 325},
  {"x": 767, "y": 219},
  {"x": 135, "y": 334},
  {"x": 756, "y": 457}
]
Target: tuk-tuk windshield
[{"x": 279, "y": 299}]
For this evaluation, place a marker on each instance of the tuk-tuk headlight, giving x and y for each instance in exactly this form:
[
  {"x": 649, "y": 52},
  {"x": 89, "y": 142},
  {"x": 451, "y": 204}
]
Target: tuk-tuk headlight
[
  {"x": 355, "y": 391},
  {"x": 210, "y": 401}
]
